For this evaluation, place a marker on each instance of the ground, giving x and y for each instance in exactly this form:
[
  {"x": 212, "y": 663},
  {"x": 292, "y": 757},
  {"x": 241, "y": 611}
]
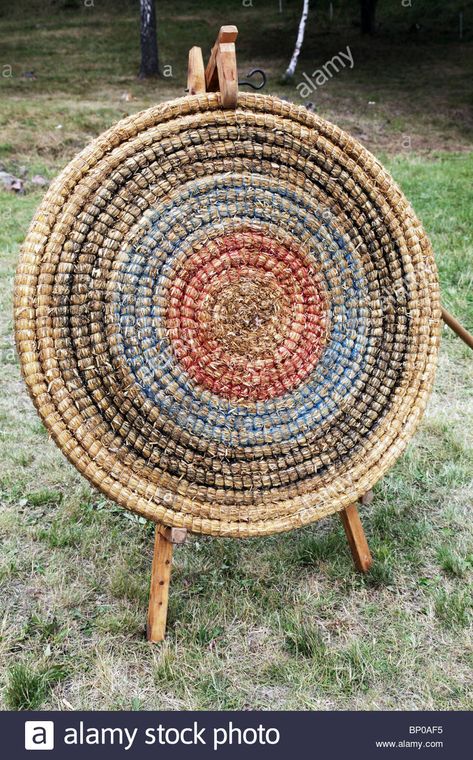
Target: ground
[{"x": 276, "y": 623}]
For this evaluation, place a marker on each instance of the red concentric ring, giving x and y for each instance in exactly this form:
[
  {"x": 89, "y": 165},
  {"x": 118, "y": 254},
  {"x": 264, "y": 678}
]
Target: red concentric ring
[{"x": 247, "y": 316}]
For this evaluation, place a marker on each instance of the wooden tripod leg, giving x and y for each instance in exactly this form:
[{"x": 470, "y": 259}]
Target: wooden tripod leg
[
  {"x": 457, "y": 328},
  {"x": 159, "y": 592},
  {"x": 356, "y": 538},
  {"x": 164, "y": 541},
  {"x": 195, "y": 72}
]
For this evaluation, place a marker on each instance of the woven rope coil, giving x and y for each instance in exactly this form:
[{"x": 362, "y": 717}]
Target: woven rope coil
[{"x": 228, "y": 320}]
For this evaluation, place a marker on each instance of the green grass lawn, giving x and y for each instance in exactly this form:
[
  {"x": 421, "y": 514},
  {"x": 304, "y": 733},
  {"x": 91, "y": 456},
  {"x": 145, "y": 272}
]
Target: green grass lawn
[{"x": 276, "y": 623}]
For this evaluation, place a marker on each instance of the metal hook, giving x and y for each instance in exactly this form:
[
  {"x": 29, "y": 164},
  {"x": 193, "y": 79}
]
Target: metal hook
[{"x": 245, "y": 83}]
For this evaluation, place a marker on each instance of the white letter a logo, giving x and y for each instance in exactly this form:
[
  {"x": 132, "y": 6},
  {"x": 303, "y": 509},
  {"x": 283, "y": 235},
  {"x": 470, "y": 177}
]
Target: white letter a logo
[{"x": 39, "y": 734}]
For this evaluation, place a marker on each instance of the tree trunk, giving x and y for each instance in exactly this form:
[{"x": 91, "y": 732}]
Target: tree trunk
[
  {"x": 300, "y": 39},
  {"x": 149, "y": 45},
  {"x": 368, "y": 12}
]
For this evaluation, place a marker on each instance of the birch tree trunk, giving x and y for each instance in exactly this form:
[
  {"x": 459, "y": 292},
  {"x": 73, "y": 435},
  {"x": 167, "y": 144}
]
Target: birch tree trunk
[
  {"x": 149, "y": 45},
  {"x": 300, "y": 39}
]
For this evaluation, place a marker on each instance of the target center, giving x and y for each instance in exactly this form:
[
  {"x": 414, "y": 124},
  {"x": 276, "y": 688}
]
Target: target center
[{"x": 245, "y": 318}]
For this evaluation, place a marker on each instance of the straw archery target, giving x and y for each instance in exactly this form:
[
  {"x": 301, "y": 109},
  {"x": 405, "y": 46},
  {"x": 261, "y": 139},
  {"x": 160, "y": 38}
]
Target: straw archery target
[{"x": 228, "y": 320}]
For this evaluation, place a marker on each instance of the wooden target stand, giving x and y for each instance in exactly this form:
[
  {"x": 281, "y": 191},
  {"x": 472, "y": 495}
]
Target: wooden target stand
[{"x": 221, "y": 75}]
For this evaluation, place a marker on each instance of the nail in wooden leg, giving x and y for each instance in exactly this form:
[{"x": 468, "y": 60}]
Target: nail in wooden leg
[
  {"x": 159, "y": 593},
  {"x": 356, "y": 538}
]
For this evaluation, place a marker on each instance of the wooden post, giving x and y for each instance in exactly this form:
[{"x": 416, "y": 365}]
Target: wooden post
[
  {"x": 356, "y": 538},
  {"x": 227, "y": 34},
  {"x": 195, "y": 72},
  {"x": 164, "y": 541},
  {"x": 227, "y": 74}
]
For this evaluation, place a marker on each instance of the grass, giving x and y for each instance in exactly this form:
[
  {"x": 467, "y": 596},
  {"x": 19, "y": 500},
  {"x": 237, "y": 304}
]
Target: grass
[
  {"x": 27, "y": 687},
  {"x": 282, "y": 622}
]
